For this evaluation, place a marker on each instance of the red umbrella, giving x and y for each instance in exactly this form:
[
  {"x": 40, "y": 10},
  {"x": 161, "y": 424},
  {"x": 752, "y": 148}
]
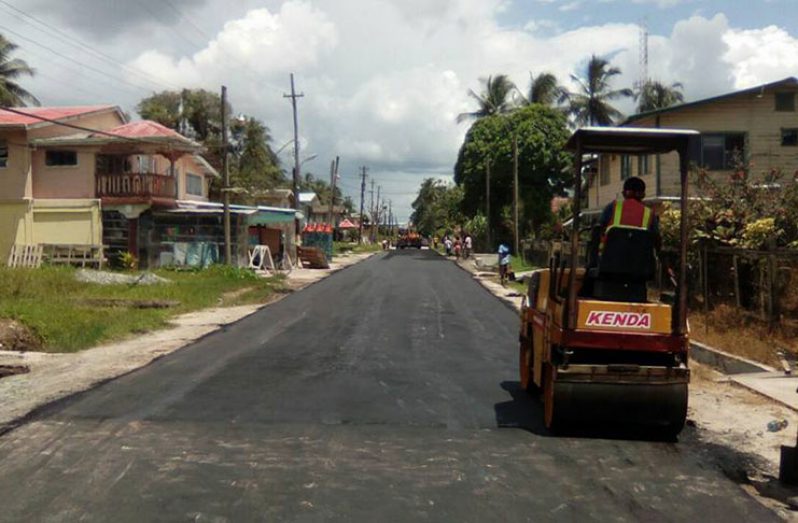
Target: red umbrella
[{"x": 346, "y": 224}]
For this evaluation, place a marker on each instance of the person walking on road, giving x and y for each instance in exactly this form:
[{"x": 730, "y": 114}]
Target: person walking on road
[
  {"x": 447, "y": 243},
  {"x": 467, "y": 246},
  {"x": 504, "y": 263}
]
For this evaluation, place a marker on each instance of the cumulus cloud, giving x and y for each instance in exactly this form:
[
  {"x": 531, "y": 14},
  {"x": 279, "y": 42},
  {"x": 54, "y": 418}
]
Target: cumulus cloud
[{"x": 760, "y": 55}]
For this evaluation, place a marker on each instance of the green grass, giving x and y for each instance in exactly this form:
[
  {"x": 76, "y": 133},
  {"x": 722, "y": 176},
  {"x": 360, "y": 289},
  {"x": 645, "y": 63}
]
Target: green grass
[{"x": 54, "y": 305}]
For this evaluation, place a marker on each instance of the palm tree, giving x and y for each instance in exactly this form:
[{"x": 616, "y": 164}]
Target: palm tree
[
  {"x": 544, "y": 89},
  {"x": 590, "y": 105},
  {"x": 11, "y": 94},
  {"x": 495, "y": 99},
  {"x": 656, "y": 95}
]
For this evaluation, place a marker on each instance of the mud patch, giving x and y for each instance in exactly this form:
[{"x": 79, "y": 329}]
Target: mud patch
[
  {"x": 11, "y": 370},
  {"x": 17, "y": 337}
]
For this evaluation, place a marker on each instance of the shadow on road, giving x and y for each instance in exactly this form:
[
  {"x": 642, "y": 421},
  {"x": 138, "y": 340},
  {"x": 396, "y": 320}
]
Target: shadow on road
[{"x": 523, "y": 411}]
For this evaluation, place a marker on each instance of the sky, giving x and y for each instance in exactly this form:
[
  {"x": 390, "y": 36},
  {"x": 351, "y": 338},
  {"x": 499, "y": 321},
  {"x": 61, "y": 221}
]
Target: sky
[{"x": 384, "y": 80}]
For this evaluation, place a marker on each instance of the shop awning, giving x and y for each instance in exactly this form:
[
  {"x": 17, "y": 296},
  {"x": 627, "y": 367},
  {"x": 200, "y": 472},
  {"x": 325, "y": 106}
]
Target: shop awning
[{"x": 274, "y": 215}]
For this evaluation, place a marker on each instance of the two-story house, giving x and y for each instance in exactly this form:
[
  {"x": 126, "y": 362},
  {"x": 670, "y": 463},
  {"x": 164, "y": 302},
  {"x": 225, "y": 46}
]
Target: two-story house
[
  {"x": 758, "y": 126},
  {"x": 87, "y": 176}
]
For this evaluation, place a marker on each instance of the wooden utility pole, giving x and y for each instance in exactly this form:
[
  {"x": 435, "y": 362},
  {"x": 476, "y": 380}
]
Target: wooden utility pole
[
  {"x": 333, "y": 178},
  {"x": 487, "y": 205},
  {"x": 362, "y": 199},
  {"x": 379, "y": 212},
  {"x": 390, "y": 218},
  {"x": 515, "y": 196},
  {"x": 228, "y": 248},
  {"x": 293, "y": 96},
  {"x": 371, "y": 211}
]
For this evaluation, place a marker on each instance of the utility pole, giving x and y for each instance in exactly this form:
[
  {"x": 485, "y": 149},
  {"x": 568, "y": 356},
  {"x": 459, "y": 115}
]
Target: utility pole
[
  {"x": 333, "y": 177},
  {"x": 487, "y": 204},
  {"x": 362, "y": 198},
  {"x": 390, "y": 218},
  {"x": 293, "y": 96},
  {"x": 515, "y": 195},
  {"x": 379, "y": 212},
  {"x": 371, "y": 212},
  {"x": 228, "y": 248}
]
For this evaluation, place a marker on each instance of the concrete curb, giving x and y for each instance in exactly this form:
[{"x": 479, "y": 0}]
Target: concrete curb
[{"x": 723, "y": 361}]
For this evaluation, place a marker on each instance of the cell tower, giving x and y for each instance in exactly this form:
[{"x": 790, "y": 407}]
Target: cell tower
[{"x": 643, "y": 53}]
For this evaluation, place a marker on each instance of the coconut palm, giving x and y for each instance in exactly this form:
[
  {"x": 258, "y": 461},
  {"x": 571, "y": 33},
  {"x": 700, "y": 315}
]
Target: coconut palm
[
  {"x": 11, "y": 94},
  {"x": 656, "y": 95},
  {"x": 496, "y": 98},
  {"x": 544, "y": 89},
  {"x": 590, "y": 104}
]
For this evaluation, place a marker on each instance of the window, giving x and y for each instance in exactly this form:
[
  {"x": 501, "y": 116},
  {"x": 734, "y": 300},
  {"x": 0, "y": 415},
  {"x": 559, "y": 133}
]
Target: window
[
  {"x": 604, "y": 170},
  {"x": 60, "y": 158},
  {"x": 722, "y": 151},
  {"x": 642, "y": 166},
  {"x": 626, "y": 166},
  {"x": 3, "y": 153},
  {"x": 785, "y": 102},
  {"x": 789, "y": 137},
  {"x": 193, "y": 184}
]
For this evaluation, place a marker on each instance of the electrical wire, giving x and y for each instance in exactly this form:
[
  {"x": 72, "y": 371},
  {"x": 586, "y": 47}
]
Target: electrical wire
[{"x": 77, "y": 43}]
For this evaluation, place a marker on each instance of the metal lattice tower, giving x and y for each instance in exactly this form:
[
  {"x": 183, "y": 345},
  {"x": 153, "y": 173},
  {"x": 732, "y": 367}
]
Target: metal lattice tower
[{"x": 643, "y": 53}]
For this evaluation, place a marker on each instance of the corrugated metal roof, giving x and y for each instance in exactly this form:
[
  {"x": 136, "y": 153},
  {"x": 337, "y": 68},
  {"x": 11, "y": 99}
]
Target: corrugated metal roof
[{"x": 8, "y": 119}]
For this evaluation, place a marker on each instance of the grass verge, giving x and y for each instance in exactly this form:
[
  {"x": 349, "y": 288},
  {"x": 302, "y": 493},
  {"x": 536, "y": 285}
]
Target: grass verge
[{"x": 63, "y": 312}]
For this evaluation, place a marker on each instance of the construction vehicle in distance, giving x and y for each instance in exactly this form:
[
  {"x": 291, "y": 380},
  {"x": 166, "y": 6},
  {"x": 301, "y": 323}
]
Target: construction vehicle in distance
[{"x": 591, "y": 342}]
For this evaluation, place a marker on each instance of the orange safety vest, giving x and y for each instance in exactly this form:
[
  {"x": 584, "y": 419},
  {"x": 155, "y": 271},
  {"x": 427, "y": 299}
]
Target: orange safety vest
[{"x": 630, "y": 214}]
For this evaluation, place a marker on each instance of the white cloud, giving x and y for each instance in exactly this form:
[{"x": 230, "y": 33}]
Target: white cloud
[{"x": 761, "y": 55}]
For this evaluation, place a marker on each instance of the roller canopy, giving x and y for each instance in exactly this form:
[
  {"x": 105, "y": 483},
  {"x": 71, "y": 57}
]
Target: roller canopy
[{"x": 629, "y": 140}]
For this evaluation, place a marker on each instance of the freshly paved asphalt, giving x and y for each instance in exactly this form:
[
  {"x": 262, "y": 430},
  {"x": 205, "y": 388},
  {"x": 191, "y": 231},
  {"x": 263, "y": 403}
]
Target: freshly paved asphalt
[{"x": 386, "y": 392}]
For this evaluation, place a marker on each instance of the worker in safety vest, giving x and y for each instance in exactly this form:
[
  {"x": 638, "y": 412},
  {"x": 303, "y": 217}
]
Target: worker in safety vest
[{"x": 630, "y": 212}]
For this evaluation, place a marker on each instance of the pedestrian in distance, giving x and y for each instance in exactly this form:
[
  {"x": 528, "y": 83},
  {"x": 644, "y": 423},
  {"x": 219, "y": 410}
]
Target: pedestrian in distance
[
  {"x": 504, "y": 263},
  {"x": 458, "y": 247},
  {"x": 467, "y": 246},
  {"x": 447, "y": 243}
]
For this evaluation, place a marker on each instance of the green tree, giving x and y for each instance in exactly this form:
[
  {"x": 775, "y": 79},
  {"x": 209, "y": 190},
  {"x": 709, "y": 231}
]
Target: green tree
[
  {"x": 590, "y": 105},
  {"x": 496, "y": 98},
  {"x": 656, "y": 95},
  {"x": 11, "y": 69},
  {"x": 545, "y": 89},
  {"x": 198, "y": 108},
  {"x": 254, "y": 165},
  {"x": 543, "y": 166},
  {"x": 437, "y": 207}
]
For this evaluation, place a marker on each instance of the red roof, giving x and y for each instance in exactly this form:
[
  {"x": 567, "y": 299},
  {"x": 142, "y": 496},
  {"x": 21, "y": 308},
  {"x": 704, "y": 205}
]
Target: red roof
[
  {"x": 53, "y": 113},
  {"x": 346, "y": 224},
  {"x": 144, "y": 129}
]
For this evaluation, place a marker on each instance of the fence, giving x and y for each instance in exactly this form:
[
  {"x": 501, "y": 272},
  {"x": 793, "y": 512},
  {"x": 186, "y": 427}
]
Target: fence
[{"x": 762, "y": 283}]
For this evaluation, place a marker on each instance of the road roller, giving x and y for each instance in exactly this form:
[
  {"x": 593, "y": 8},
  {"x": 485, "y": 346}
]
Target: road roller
[{"x": 596, "y": 342}]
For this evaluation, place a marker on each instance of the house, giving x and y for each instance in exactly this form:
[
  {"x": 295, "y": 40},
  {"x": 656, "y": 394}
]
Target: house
[
  {"x": 87, "y": 176},
  {"x": 306, "y": 202},
  {"x": 758, "y": 125},
  {"x": 277, "y": 198},
  {"x": 320, "y": 213}
]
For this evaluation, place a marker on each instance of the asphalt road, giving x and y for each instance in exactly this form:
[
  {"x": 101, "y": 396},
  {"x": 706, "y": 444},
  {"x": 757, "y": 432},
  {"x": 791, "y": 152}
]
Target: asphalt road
[{"x": 387, "y": 392}]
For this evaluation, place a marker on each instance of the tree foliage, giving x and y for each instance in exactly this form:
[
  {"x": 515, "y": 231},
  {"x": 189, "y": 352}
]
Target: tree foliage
[
  {"x": 656, "y": 95},
  {"x": 590, "y": 105},
  {"x": 496, "y": 98},
  {"x": 11, "y": 69},
  {"x": 545, "y": 89},
  {"x": 437, "y": 207},
  {"x": 543, "y": 166}
]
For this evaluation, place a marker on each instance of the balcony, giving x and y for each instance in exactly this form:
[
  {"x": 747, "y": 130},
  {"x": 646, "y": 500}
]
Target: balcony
[{"x": 137, "y": 187}]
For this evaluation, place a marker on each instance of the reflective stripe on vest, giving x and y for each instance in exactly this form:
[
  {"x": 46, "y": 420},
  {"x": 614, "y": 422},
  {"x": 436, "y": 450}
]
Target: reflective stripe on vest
[{"x": 627, "y": 215}]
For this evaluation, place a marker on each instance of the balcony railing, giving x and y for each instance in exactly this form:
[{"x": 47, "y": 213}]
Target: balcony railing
[{"x": 146, "y": 185}]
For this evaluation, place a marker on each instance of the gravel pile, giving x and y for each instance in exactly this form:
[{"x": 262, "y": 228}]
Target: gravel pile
[{"x": 115, "y": 278}]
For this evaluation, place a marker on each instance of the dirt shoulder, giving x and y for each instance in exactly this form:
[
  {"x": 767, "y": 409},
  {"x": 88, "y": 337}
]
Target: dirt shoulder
[{"x": 56, "y": 376}]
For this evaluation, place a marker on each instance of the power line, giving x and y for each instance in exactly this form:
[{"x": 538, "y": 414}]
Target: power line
[
  {"x": 65, "y": 57},
  {"x": 77, "y": 43}
]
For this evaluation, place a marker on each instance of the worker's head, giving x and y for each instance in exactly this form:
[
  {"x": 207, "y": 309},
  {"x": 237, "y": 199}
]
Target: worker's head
[{"x": 634, "y": 188}]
